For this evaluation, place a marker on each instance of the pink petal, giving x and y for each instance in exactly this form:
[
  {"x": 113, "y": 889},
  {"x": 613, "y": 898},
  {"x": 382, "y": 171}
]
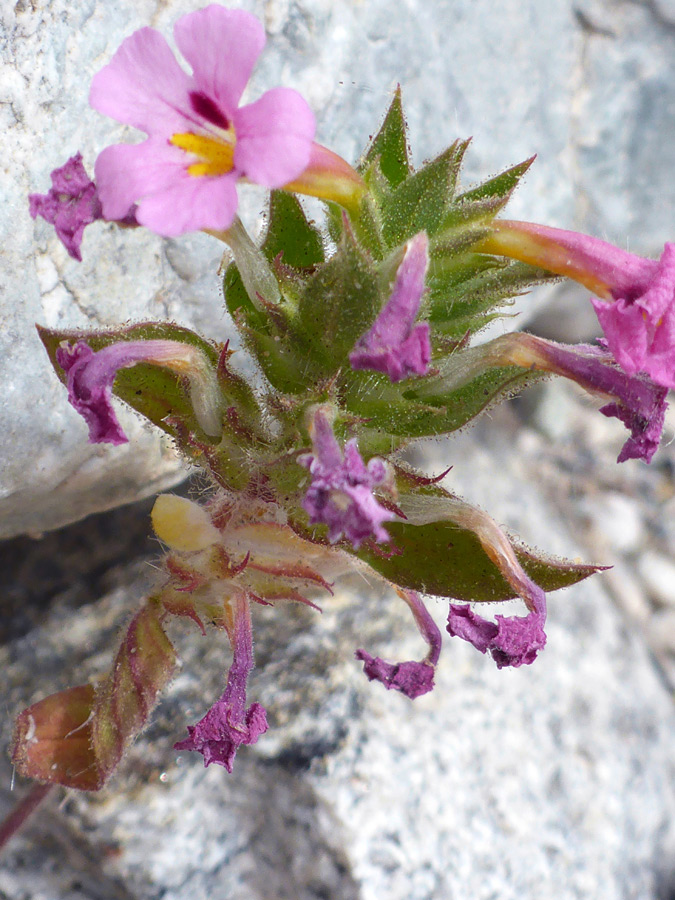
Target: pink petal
[
  {"x": 144, "y": 86},
  {"x": 222, "y": 46},
  {"x": 274, "y": 137},
  {"x": 624, "y": 327},
  {"x": 125, "y": 173},
  {"x": 191, "y": 204}
]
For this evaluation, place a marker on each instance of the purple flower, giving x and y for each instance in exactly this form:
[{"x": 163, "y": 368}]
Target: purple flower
[
  {"x": 229, "y": 724},
  {"x": 640, "y": 324},
  {"x": 636, "y": 305},
  {"x": 341, "y": 492},
  {"x": 637, "y": 401},
  {"x": 395, "y": 345},
  {"x": 511, "y": 640},
  {"x": 200, "y": 142},
  {"x": 90, "y": 377},
  {"x": 410, "y": 678},
  {"x": 71, "y": 204}
]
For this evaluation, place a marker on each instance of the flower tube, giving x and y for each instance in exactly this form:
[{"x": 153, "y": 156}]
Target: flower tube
[{"x": 635, "y": 297}]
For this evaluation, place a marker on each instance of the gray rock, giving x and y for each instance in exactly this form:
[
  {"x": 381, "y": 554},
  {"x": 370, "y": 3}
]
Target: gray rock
[
  {"x": 521, "y": 77},
  {"x": 555, "y": 780}
]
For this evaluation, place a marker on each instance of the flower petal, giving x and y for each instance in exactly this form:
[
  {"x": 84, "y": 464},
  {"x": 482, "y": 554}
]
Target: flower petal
[
  {"x": 170, "y": 201},
  {"x": 394, "y": 345},
  {"x": 191, "y": 204},
  {"x": 274, "y": 138},
  {"x": 71, "y": 204},
  {"x": 144, "y": 86},
  {"x": 222, "y": 46},
  {"x": 127, "y": 172},
  {"x": 410, "y": 678},
  {"x": 511, "y": 640}
]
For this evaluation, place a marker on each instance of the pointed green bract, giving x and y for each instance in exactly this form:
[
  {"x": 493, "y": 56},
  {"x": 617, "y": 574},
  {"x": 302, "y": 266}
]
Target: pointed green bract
[
  {"x": 390, "y": 145},
  {"x": 421, "y": 201},
  {"x": 467, "y": 292},
  {"x": 394, "y": 410},
  {"x": 338, "y": 304},
  {"x": 290, "y": 236}
]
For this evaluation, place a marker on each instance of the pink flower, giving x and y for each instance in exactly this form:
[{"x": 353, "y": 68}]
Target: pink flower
[
  {"x": 395, "y": 345},
  {"x": 640, "y": 324},
  {"x": 633, "y": 399},
  {"x": 636, "y": 296},
  {"x": 341, "y": 492},
  {"x": 200, "y": 142},
  {"x": 71, "y": 204}
]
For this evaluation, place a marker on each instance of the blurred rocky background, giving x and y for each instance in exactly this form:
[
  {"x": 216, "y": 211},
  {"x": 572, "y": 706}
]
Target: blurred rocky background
[{"x": 550, "y": 781}]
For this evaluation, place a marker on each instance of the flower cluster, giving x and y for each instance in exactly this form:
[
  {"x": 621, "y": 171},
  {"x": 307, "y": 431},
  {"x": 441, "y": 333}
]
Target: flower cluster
[{"x": 362, "y": 332}]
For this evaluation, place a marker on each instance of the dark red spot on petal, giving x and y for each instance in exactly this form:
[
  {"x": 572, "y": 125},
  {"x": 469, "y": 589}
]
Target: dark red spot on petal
[{"x": 207, "y": 109}]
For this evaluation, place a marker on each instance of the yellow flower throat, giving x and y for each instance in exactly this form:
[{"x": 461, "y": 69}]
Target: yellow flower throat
[{"x": 217, "y": 155}]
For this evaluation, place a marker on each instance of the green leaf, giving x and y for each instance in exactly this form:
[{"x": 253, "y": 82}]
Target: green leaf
[
  {"x": 154, "y": 392},
  {"x": 338, "y": 305},
  {"x": 443, "y": 559},
  {"x": 482, "y": 203},
  {"x": 284, "y": 365},
  {"x": 390, "y": 145},
  {"x": 421, "y": 201},
  {"x": 392, "y": 409},
  {"x": 290, "y": 235},
  {"x": 465, "y": 292}
]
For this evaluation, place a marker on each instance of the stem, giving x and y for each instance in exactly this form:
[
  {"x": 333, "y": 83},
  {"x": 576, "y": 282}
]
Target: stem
[
  {"x": 255, "y": 271},
  {"x": 22, "y": 812}
]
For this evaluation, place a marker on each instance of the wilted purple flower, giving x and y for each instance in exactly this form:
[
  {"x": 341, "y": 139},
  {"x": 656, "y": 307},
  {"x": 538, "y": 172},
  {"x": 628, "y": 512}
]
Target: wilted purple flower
[
  {"x": 410, "y": 678},
  {"x": 229, "y": 724},
  {"x": 90, "y": 377},
  {"x": 636, "y": 308},
  {"x": 341, "y": 492},
  {"x": 200, "y": 142},
  {"x": 638, "y": 402},
  {"x": 511, "y": 640},
  {"x": 71, "y": 204},
  {"x": 395, "y": 345}
]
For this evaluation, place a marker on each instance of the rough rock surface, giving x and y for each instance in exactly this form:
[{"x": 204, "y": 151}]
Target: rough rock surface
[
  {"x": 588, "y": 86},
  {"x": 555, "y": 780}
]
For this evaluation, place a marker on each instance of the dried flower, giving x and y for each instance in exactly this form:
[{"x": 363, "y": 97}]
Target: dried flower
[{"x": 71, "y": 204}]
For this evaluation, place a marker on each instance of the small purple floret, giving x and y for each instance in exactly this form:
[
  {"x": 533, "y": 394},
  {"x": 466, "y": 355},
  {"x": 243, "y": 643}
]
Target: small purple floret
[
  {"x": 395, "y": 345},
  {"x": 511, "y": 640},
  {"x": 71, "y": 204},
  {"x": 90, "y": 380},
  {"x": 229, "y": 724},
  {"x": 410, "y": 678},
  {"x": 341, "y": 492}
]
